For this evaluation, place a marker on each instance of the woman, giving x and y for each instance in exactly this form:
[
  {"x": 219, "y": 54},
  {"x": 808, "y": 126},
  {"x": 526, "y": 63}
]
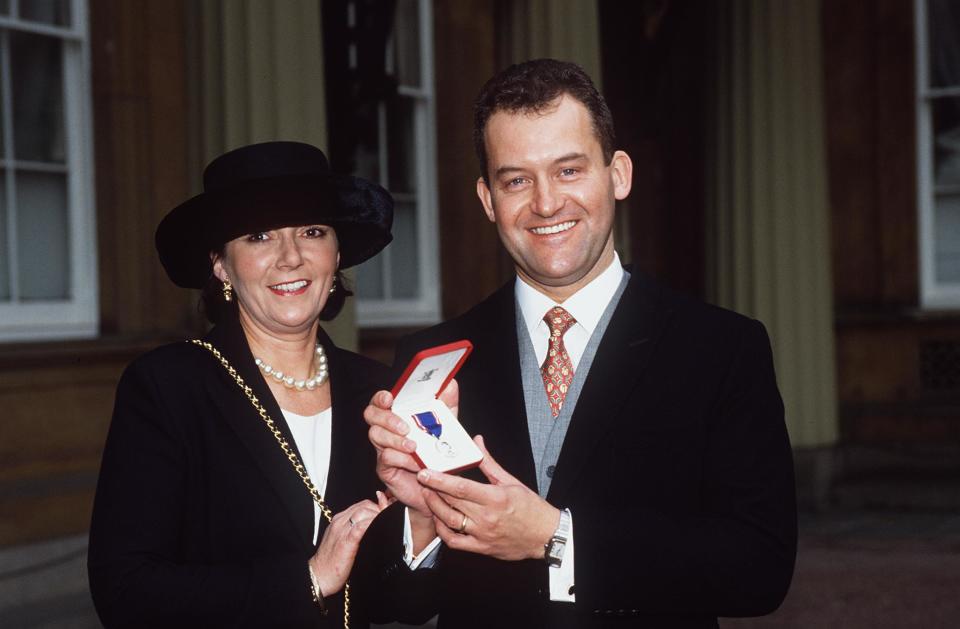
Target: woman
[{"x": 204, "y": 513}]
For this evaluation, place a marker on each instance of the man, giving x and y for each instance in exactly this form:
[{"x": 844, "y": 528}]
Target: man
[{"x": 638, "y": 471}]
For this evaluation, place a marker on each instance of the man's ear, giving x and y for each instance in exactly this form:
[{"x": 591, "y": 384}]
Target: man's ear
[
  {"x": 621, "y": 170},
  {"x": 483, "y": 191}
]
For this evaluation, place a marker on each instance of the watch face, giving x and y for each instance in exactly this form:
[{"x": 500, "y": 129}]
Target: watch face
[{"x": 554, "y": 551}]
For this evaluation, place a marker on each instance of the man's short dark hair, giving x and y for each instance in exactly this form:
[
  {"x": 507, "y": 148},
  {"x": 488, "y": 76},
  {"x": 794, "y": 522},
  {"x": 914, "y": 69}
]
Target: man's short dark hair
[{"x": 532, "y": 87}]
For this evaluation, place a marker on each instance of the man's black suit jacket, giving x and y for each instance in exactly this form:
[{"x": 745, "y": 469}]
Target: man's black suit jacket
[
  {"x": 676, "y": 466},
  {"x": 200, "y": 519}
]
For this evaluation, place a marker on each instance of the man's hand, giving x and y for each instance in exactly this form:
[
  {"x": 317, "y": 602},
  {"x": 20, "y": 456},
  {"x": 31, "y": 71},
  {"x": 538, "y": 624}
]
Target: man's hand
[
  {"x": 396, "y": 466},
  {"x": 504, "y": 519}
]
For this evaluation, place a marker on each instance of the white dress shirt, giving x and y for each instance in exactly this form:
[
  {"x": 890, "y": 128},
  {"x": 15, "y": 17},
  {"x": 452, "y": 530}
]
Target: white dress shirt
[
  {"x": 312, "y": 435},
  {"x": 586, "y": 306}
]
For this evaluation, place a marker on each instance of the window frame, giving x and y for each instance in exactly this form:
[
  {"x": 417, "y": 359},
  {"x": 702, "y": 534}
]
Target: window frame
[
  {"x": 77, "y": 316},
  {"x": 424, "y": 310},
  {"x": 934, "y": 294}
]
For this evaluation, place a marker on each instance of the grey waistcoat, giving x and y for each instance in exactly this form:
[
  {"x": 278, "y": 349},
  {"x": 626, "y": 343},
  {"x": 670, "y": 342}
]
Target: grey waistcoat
[{"x": 547, "y": 433}]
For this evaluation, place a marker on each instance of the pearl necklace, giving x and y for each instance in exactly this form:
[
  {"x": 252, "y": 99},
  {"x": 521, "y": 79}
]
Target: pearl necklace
[{"x": 318, "y": 378}]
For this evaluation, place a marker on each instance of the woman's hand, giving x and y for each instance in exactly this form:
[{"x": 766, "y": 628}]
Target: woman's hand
[{"x": 332, "y": 562}]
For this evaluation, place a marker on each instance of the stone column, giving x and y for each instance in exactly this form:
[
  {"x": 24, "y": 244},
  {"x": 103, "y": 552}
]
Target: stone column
[
  {"x": 568, "y": 30},
  {"x": 769, "y": 238}
]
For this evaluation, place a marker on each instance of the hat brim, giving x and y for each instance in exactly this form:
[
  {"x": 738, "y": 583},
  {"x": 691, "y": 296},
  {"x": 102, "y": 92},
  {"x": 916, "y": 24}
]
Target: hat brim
[{"x": 360, "y": 212}]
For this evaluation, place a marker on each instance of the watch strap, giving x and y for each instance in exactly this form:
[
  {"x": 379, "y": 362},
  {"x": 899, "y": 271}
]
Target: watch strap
[{"x": 554, "y": 548}]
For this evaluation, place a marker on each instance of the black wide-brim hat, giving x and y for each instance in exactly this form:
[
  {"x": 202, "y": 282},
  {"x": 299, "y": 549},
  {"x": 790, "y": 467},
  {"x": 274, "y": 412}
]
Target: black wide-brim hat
[{"x": 266, "y": 186}]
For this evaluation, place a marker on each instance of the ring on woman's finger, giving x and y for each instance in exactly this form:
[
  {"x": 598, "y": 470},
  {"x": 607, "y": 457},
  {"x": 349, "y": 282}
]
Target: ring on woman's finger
[{"x": 463, "y": 525}]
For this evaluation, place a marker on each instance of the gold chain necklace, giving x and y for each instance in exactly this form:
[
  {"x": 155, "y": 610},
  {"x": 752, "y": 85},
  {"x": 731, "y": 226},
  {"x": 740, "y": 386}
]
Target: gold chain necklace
[{"x": 285, "y": 446}]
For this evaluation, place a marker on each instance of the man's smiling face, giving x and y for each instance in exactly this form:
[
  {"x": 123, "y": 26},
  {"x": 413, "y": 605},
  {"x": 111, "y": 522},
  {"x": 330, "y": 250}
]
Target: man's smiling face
[{"x": 552, "y": 195}]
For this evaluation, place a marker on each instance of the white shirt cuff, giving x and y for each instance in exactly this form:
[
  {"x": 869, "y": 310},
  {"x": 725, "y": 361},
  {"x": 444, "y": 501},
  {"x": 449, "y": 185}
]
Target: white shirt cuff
[
  {"x": 427, "y": 557},
  {"x": 561, "y": 577}
]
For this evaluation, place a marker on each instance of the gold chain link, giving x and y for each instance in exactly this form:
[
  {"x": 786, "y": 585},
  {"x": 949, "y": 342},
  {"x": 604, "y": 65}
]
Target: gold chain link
[{"x": 285, "y": 446}]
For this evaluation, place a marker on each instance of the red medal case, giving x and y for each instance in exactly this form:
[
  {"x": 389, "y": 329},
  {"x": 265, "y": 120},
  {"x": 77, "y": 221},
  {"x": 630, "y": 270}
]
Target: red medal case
[{"x": 442, "y": 443}]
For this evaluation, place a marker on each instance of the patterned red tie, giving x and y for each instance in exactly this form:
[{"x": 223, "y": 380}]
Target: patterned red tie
[{"x": 557, "y": 369}]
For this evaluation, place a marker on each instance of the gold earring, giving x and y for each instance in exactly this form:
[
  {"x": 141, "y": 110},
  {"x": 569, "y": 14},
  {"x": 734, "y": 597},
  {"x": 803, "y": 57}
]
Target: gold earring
[{"x": 227, "y": 291}]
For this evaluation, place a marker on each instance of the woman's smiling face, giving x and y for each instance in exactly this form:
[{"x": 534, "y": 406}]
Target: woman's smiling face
[{"x": 281, "y": 277}]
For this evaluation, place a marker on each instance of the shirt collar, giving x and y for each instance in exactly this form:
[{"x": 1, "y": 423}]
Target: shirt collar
[{"x": 586, "y": 305}]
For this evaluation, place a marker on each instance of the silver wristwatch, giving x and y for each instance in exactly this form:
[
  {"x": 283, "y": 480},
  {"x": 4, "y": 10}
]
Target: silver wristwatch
[{"x": 553, "y": 550}]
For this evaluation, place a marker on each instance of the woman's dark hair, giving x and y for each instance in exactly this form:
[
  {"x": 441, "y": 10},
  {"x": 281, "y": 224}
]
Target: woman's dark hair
[
  {"x": 216, "y": 309},
  {"x": 532, "y": 87}
]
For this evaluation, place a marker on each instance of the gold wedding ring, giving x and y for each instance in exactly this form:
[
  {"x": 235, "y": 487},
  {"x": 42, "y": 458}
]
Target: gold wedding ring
[{"x": 463, "y": 525}]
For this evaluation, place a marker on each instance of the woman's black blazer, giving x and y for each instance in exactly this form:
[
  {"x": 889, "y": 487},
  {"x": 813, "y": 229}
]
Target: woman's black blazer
[{"x": 199, "y": 517}]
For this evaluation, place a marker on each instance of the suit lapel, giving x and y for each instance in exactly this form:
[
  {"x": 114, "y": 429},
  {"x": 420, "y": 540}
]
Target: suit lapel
[
  {"x": 241, "y": 416},
  {"x": 619, "y": 363},
  {"x": 497, "y": 388}
]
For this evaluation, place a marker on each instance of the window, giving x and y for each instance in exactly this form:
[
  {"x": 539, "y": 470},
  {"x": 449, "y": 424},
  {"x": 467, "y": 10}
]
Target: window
[
  {"x": 401, "y": 286},
  {"x": 48, "y": 284},
  {"x": 938, "y": 151}
]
